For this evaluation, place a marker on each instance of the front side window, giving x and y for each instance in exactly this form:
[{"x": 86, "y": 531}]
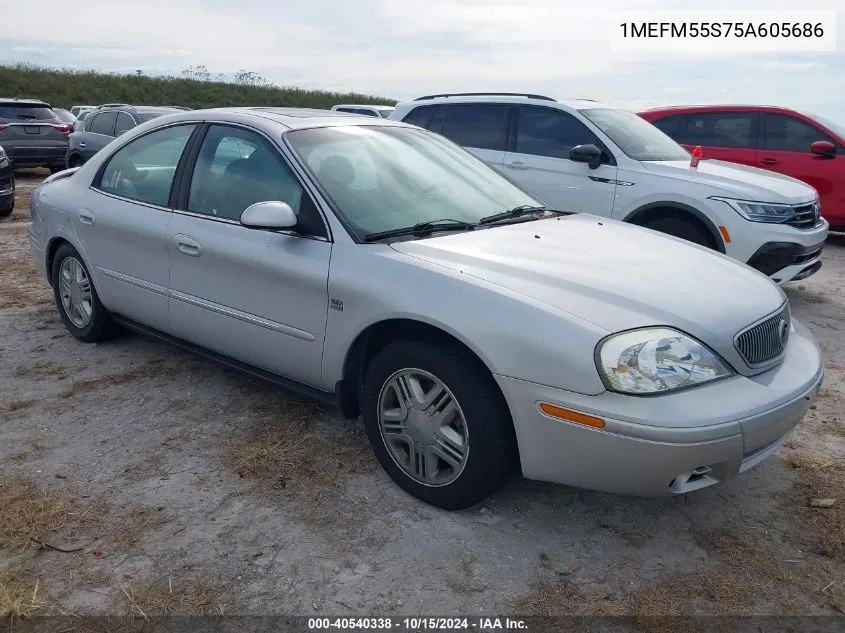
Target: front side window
[
  {"x": 635, "y": 136},
  {"x": 102, "y": 124},
  {"x": 381, "y": 178},
  {"x": 788, "y": 134},
  {"x": 143, "y": 169},
  {"x": 548, "y": 132},
  {"x": 481, "y": 126},
  {"x": 236, "y": 168}
]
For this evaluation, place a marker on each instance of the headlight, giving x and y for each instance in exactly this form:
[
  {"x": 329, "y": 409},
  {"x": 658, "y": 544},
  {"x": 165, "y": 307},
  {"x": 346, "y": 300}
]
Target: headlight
[
  {"x": 654, "y": 360},
  {"x": 760, "y": 211}
]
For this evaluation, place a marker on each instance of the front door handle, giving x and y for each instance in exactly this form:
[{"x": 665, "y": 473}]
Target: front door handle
[
  {"x": 188, "y": 245},
  {"x": 517, "y": 164},
  {"x": 83, "y": 145},
  {"x": 770, "y": 161},
  {"x": 86, "y": 216}
]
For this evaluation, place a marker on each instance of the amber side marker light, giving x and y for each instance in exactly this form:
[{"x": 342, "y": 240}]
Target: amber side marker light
[
  {"x": 725, "y": 234},
  {"x": 571, "y": 416}
]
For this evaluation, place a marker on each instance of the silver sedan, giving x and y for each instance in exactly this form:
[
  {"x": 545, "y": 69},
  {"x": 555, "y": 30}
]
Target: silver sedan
[{"x": 381, "y": 269}]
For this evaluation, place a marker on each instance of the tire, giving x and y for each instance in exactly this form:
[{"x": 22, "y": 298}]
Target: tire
[
  {"x": 683, "y": 228},
  {"x": 481, "y": 418},
  {"x": 75, "y": 161},
  {"x": 97, "y": 326},
  {"x": 55, "y": 169},
  {"x": 8, "y": 211}
]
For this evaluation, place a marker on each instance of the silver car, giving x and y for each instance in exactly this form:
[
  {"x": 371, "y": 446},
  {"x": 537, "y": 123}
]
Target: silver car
[{"x": 380, "y": 268}]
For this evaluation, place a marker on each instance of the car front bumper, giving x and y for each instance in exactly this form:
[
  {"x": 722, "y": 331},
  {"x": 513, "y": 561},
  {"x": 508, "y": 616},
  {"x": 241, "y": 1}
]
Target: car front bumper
[{"x": 668, "y": 444}]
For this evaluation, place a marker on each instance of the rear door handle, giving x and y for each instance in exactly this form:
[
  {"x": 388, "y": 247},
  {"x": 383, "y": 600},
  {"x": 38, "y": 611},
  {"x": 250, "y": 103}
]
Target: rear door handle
[
  {"x": 188, "y": 245},
  {"x": 86, "y": 216},
  {"x": 518, "y": 164},
  {"x": 770, "y": 161},
  {"x": 83, "y": 145}
]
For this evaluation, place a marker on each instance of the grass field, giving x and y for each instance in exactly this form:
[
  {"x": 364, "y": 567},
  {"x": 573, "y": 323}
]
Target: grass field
[{"x": 65, "y": 88}]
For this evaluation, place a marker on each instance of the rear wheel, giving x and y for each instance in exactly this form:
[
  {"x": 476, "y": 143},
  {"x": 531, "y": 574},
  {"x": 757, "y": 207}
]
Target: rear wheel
[
  {"x": 684, "y": 228},
  {"x": 8, "y": 211},
  {"x": 79, "y": 306},
  {"x": 438, "y": 423},
  {"x": 74, "y": 161}
]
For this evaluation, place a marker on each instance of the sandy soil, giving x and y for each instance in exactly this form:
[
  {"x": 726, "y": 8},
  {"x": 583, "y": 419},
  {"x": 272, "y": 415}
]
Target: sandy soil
[{"x": 185, "y": 488}]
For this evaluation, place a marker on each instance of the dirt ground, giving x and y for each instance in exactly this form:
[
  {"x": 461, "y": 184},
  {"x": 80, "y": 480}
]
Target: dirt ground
[{"x": 135, "y": 479}]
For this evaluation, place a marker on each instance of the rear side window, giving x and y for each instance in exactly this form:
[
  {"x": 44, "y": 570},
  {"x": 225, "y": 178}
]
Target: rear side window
[
  {"x": 143, "y": 169},
  {"x": 26, "y": 112},
  {"x": 481, "y": 126},
  {"x": 552, "y": 133},
  {"x": 788, "y": 134},
  {"x": 420, "y": 116},
  {"x": 102, "y": 124},
  {"x": 713, "y": 129}
]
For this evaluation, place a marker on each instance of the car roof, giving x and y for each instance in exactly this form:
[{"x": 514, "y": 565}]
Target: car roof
[
  {"x": 486, "y": 97},
  {"x": 710, "y": 107},
  {"x": 290, "y": 118},
  {"x": 24, "y": 101},
  {"x": 363, "y": 105}
]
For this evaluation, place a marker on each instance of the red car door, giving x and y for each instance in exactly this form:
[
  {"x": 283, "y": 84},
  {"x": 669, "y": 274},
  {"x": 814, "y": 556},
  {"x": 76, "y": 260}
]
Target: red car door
[{"x": 785, "y": 148}]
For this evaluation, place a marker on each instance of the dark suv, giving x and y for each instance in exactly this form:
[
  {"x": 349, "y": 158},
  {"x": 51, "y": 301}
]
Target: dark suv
[
  {"x": 7, "y": 185},
  {"x": 101, "y": 125},
  {"x": 32, "y": 134}
]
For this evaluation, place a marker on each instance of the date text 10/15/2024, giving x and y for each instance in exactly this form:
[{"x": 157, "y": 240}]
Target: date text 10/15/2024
[{"x": 411, "y": 624}]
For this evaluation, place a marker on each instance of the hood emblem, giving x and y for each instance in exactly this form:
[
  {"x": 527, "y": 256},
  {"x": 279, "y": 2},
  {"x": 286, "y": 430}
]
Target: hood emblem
[{"x": 783, "y": 331}]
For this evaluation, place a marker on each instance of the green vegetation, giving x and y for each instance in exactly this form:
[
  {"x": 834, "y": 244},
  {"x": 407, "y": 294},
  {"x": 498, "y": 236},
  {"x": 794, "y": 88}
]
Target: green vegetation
[{"x": 196, "y": 89}]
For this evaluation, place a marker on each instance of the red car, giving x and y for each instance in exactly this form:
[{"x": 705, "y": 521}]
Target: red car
[{"x": 804, "y": 146}]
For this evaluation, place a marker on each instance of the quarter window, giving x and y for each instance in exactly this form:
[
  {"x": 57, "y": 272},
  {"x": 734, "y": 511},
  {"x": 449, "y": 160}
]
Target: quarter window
[
  {"x": 548, "y": 132},
  {"x": 143, "y": 169},
  {"x": 788, "y": 134},
  {"x": 236, "y": 168},
  {"x": 420, "y": 116},
  {"x": 124, "y": 123},
  {"x": 479, "y": 126},
  {"x": 103, "y": 124}
]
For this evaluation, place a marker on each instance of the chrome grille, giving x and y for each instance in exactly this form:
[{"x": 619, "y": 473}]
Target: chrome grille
[
  {"x": 766, "y": 340},
  {"x": 806, "y": 216}
]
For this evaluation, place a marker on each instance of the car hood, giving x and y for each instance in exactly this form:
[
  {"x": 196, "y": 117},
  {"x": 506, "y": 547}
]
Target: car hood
[
  {"x": 615, "y": 275},
  {"x": 738, "y": 181}
]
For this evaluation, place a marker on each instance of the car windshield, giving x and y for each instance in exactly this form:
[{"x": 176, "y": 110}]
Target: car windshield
[
  {"x": 836, "y": 128},
  {"x": 635, "y": 136},
  {"x": 385, "y": 113},
  {"x": 26, "y": 112},
  {"x": 383, "y": 178},
  {"x": 149, "y": 116}
]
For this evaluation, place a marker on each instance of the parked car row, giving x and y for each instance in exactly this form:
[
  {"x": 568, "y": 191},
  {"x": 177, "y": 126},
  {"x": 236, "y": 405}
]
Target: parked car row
[
  {"x": 34, "y": 134},
  {"x": 380, "y": 268},
  {"x": 784, "y": 141},
  {"x": 580, "y": 155}
]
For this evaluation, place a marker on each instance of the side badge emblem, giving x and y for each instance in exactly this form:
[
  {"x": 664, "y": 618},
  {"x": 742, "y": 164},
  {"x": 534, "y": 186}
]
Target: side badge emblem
[{"x": 336, "y": 304}]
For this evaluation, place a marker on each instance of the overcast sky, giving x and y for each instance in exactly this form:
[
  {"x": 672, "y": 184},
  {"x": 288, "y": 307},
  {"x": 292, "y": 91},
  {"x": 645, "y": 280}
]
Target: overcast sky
[{"x": 405, "y": 48}]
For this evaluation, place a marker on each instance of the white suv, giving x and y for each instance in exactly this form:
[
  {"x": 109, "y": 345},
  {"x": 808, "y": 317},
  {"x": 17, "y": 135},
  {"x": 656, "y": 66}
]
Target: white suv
[{"x": 581, "y": 155}]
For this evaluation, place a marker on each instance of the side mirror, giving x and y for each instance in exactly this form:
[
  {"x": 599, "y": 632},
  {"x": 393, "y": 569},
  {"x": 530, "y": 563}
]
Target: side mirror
[
  {"x": 825, "y": 149},
  {"x": 269, "y": 215},
  {"x": 589, "y": 154}
]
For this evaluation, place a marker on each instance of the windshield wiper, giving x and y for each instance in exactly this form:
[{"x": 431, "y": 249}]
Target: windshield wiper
[
  {"x": 421, "y": 229},
  {"x": 516, "y": 212}
]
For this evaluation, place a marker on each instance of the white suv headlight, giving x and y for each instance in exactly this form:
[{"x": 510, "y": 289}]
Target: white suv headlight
[
  {"x": 769, "y": 212},
  {"x": 654, "y": 360}
]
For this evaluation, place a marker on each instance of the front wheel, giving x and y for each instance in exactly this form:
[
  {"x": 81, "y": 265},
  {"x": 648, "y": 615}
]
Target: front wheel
[
  {"x": 683, "y": 228},
  {"x": 438, "y": 423},
  {"x": 79, "y": 306}
]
